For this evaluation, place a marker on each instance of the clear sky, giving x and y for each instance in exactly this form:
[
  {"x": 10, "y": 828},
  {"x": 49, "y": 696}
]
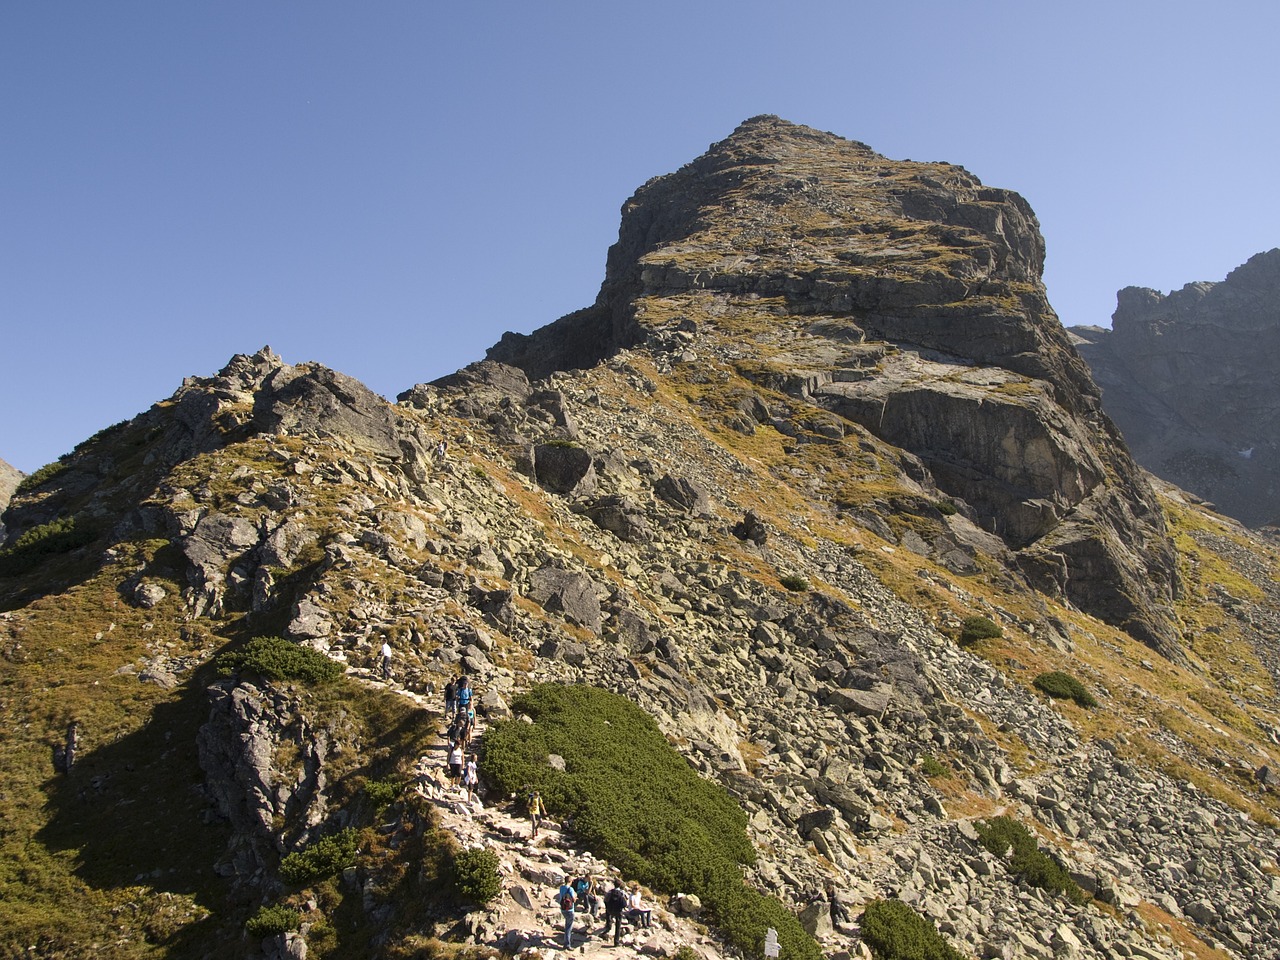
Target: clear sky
[{"x": 386, "y": 187}]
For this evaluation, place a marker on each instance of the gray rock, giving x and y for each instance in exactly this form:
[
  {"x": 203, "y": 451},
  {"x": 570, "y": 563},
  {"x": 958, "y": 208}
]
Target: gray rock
[
  {"x": 564, "y": 469},
  {"x": 570, "y": 594}
]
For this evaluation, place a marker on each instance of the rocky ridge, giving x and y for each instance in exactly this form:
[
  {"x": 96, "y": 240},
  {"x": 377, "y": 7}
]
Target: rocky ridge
[
  {"x": 1189, "y": 378},
  {"x": 680, "y": 522},
  {"x": 10, "y": 477},
  {"x": 906, "y": 300}
]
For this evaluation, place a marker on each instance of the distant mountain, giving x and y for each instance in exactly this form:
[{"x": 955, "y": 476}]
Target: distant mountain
[
  {"x": 10, "y": 477},
  {"x": 1191, "y": 379},
  {"x": 817, "y": 482}
]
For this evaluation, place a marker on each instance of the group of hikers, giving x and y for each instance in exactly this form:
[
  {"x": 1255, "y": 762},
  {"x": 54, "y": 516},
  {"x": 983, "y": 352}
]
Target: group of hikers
[
  {"x": 581, "y": 896},
  {"x": 461, "y": 714}
]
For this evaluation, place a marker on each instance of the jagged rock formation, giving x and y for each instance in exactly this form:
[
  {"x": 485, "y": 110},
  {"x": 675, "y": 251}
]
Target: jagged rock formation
[
  {"x": 708, "y": 518},
  {"x": 10, "y": 477},
  {"x": 904, "y": 298},
  {"x": 1190, "y": 379}
]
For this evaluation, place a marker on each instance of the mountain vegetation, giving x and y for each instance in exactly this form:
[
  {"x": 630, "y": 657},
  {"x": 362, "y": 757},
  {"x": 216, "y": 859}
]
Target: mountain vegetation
[{"x": 770, "y": 568}]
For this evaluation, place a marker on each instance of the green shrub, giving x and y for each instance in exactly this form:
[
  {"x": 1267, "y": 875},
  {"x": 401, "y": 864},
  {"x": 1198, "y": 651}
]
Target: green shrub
[
  {"x": 278, "y": 659},
  {"x": 44, "y": 474},
  {"x": 1063, "y": 686},
  {"x": 33, "y": 546},
  {"x": 271, "y": 921},
  {"x": 947, "y": 508},
  {"x": 476, "y": 875},
  {"x": 894, "y": 931},
  {"x": 381, "y": 793},
  {"x": 974, "y": 629},
  {"x": 1027, "y": 861},
  {"x": 324, "y": 858},
  {"x": 795, "y": 584},
  {"x": 931, "y": 766},
  {"x": 636, "y": 802}
]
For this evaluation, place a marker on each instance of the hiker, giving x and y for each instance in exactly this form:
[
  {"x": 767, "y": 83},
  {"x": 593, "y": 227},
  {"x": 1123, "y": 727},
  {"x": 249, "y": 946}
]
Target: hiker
[
  {"x": 455, "y": 763},
  {"x": 536, "y": 812},
  {"x": 470, "y": 777},
  {"x": 386, "y": 658},
  {"x": 462, "y": 693},
  {"x": 449, "y": 694},
  {"x": 584, "y": 890},
  {"x": 442, "y": 450},
  {"x": 566, "y": 901},
  {"x": 839, "y": 912},
  {"x": 465, "y": 724},
  {"x": 614, "y": 902},
  {"x": 637, "y": 912}
]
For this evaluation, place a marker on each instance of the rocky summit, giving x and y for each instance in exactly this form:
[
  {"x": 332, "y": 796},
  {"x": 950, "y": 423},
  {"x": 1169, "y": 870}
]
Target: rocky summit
[
  {"x": 818, "y": 483},
  {"x": 1189, "y": 377}
]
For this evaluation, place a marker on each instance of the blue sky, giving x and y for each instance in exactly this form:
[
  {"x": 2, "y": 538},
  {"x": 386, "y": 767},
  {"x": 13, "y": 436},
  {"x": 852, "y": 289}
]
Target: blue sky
[{"x": 387, "y": 187}]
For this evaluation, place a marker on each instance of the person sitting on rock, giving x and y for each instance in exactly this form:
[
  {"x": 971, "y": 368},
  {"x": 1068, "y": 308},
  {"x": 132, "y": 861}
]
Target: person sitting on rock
[
  {"x": 584, "y": 892},
  {"x": 637, "y": 913}
]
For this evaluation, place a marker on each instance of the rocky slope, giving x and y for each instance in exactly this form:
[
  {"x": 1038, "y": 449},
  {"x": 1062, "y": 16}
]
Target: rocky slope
[
  {"x": 904, "y": 299},
  {"x": 701, "y": 515},
  {"x": 1189, "y": 377},
  {"x": 10, "y": 477}
]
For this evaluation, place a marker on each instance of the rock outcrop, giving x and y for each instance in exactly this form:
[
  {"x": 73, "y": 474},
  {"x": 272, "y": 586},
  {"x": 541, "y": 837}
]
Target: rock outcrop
[
  {"x": 1189, "y": 378},
  {"x": 10, "y": 477},
  {"x": 905, "y": 298},
  {"x": 795, "y": 462}
]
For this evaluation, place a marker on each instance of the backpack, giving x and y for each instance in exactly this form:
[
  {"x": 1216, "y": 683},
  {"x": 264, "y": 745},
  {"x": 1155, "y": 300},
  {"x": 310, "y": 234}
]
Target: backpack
[
  {"x": 566, "y": 902},
  {"x": 448, "y": 690},
  {"x": 615, "y": 900}
]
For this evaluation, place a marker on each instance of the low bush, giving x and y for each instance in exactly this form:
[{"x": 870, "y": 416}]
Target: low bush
[
  {"x": 48, "y": 539},
  {"x": 382, "y": 793},
  {"x": 1063, "y": 686},
  {"x": 974, "y": 629},
  {"x": 1004, "y": 835},
  {"x": 44, "y": 474},
  {"x": 931, "y": 766},
  {"x": 635, "y": 801},
  {"x": 894, "y": 931},
  {"x": 947, "y": 508},
  {"x": 476, "y": 876},
  {"x": 795, "y": 583},
  {"x": 324, "y": 858},
  {"x": 278, "y": 659},
  {"x": 272, "y": 921}
]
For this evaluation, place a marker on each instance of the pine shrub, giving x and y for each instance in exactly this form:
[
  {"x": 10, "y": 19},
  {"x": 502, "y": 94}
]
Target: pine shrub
[
  {"x": 1004, "y": 835},
  {"x": 894, "y": 931},
  {"x": 635, "y": 801},
  {"x": 278, "y": 659},
  {"x": 976, "y": 628},
  {"x": 48, "y": 539},
  {"x": 273, "y": 921},
  {"x": 1063, "y": 686},
  {"x": 476, "y": 876},
  {"x": 326, "y": 857}
]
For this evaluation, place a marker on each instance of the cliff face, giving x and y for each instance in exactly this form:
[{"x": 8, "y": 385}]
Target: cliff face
[
  {"x": 755, "y": 507},
  {"x": 10, "y": 477},
  {"x": 904, "y": 298},
  {"x": 1190, "y": 379}
]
